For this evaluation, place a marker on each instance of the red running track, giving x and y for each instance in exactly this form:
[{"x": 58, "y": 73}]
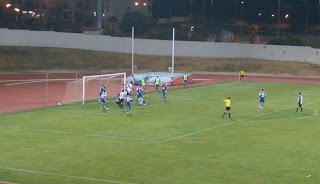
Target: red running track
[{"x": 33, "y": 95}]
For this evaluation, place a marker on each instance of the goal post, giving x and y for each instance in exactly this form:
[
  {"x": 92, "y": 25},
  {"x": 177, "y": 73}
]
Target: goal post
[{"x": 100, "y": 78}]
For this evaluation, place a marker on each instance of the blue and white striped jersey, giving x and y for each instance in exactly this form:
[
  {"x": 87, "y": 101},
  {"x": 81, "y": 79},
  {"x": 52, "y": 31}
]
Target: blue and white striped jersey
[
  {"x": 262, "y": 94},
  {"x": 103, "y": 94}
]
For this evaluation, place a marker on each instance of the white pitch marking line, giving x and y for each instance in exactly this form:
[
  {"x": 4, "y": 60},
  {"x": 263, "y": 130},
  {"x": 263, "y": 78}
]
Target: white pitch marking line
[
  {"x": 226, "y": 124},
  {"x": 91, "y": 135},
  {"x": 13, "y": 115},
  {"x": 202, "y": 79},
  {"x": 79, "y": 134},
  {"x": 142, "y": 106},
  {"x": 62, "y": 175},
  {"x": 314, "y": 113}
]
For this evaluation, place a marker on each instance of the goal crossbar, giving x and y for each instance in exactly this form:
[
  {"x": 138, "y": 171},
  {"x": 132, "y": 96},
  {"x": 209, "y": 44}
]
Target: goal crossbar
[{"x": 97, "y": 76}]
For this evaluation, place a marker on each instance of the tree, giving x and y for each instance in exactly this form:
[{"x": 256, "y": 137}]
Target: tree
[
  {"x": 113, "y": 20},
  {"x": 153, "y": 23},
  {"x": 2, "y": 7},
  {"x": 3, "y": 3},
  {"x": 135, "y": 19},
  {"x": 253, "y": 29},
  {"x": 58, "y": 18},
  {"x": 287, "y": 40}
]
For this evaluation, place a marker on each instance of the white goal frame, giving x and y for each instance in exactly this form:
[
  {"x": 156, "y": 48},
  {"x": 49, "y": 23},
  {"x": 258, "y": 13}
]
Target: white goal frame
[{"x": 95, "y": 76}]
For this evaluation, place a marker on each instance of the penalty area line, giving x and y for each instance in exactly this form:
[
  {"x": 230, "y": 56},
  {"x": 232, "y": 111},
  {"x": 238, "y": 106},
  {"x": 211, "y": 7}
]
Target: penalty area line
[
  {"x": 63, "y": 175},
  {"x": 79, "y": 134},
  {"x": 314, "y": 113},
  {"x": 230, "y": 123}
]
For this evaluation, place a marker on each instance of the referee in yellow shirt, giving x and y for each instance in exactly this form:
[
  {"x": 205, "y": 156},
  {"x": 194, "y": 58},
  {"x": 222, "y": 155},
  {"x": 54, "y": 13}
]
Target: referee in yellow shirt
[
  {"x": 228, "y": 107},
  {"x": 241, "y": 75}
]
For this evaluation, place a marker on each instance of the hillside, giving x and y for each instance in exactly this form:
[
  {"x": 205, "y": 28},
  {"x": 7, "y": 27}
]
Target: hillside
[{"x": 29, "y": 59}]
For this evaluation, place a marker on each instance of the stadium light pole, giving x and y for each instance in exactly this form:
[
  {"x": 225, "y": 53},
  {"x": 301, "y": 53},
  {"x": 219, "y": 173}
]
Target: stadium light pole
[
  {"x": 132, "y": 51},
  {"x": 278, "y": 24},
  {"x": 172, "y": 68}
]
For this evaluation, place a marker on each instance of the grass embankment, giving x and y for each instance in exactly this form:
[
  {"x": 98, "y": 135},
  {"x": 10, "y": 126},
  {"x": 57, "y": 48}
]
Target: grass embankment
[{"x": 22, "y": 59}]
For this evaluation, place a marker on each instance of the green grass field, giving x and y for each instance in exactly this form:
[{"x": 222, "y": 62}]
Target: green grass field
[{"x": 182, "y": 141}]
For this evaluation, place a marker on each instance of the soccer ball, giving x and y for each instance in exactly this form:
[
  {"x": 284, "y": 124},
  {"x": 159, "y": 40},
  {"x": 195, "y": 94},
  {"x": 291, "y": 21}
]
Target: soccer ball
[{"x": 59, "y": 103}]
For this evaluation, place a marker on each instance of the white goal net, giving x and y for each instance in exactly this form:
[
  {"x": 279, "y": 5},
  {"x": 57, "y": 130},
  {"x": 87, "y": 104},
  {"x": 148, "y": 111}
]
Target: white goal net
[{"x": 88, "y": 87}]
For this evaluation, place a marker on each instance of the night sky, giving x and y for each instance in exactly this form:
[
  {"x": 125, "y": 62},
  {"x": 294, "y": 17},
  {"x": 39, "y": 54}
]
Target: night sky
[{"x": 229, "y": 9}]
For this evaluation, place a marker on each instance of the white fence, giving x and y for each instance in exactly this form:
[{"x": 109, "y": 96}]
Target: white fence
[{"x": 157, "y": 47}]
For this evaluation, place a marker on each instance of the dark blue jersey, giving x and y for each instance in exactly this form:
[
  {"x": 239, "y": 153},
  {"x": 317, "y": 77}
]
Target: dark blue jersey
[{"x": 164, "y": 90}]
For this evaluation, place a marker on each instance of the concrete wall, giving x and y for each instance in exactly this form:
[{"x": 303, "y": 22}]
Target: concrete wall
[{"x": 157, "y": 47}]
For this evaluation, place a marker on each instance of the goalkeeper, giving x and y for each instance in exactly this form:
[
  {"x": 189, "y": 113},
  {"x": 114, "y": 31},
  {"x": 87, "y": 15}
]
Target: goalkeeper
[{"x": 142, "y": 101}]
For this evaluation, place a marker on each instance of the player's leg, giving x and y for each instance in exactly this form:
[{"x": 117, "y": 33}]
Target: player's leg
[
  {"x": 127, "y": 104},
  {"x": 297, "y": 108},
  {"x": 229, "y": 114},
  {"x": 225, "y": 112},
  {"x": 105, "y": 104},
  {"x": 129, "y": 107},
  {"x": 301, "y": 107},
  {"x": 101, "y": 103}
]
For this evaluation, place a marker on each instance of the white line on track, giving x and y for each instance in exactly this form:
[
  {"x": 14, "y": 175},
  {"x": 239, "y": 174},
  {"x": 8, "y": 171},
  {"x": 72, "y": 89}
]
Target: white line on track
[
  {"x": 230, "y": 123},
  {"x": 201, "y": 79},
  {"x": 62, "y": 175},
  {"x": 40, "y": 80},
  {"x": 5, "y": 182}
]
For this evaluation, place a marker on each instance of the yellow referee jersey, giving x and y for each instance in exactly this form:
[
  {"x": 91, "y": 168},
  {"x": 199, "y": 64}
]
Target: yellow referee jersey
[
  {"x": 241, "y": 72},
  {"x": 228, "y": 102}
]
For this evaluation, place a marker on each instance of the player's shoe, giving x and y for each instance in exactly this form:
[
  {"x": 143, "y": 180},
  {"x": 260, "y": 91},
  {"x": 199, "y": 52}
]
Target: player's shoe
[
  {"x": 261, "y": 107},
  {"x": 106, "y": 108}
]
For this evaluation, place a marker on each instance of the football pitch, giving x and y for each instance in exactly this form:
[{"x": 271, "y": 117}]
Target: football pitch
[{"x": 181, "y": 141}]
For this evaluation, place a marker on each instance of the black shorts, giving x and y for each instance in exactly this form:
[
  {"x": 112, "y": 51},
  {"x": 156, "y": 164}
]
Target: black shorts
[
  {"x": 228, "y": 108},
  {"x": 299, "y": 105},
  {"x": 241, "y": 75}
]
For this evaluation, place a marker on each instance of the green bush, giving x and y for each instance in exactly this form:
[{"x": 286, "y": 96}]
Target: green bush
[
  {"x": 135, "y": 19},
  {"x": 287, "y": 40},
  {"x": 165, "y": 36}
]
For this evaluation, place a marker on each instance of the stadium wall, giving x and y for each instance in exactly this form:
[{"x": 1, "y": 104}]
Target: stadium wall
[{"x": 157, "y": 47}]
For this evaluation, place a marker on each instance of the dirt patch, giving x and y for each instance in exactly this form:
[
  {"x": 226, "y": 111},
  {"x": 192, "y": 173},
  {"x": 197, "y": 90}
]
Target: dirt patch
[{"x": 26, "y": 59}]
